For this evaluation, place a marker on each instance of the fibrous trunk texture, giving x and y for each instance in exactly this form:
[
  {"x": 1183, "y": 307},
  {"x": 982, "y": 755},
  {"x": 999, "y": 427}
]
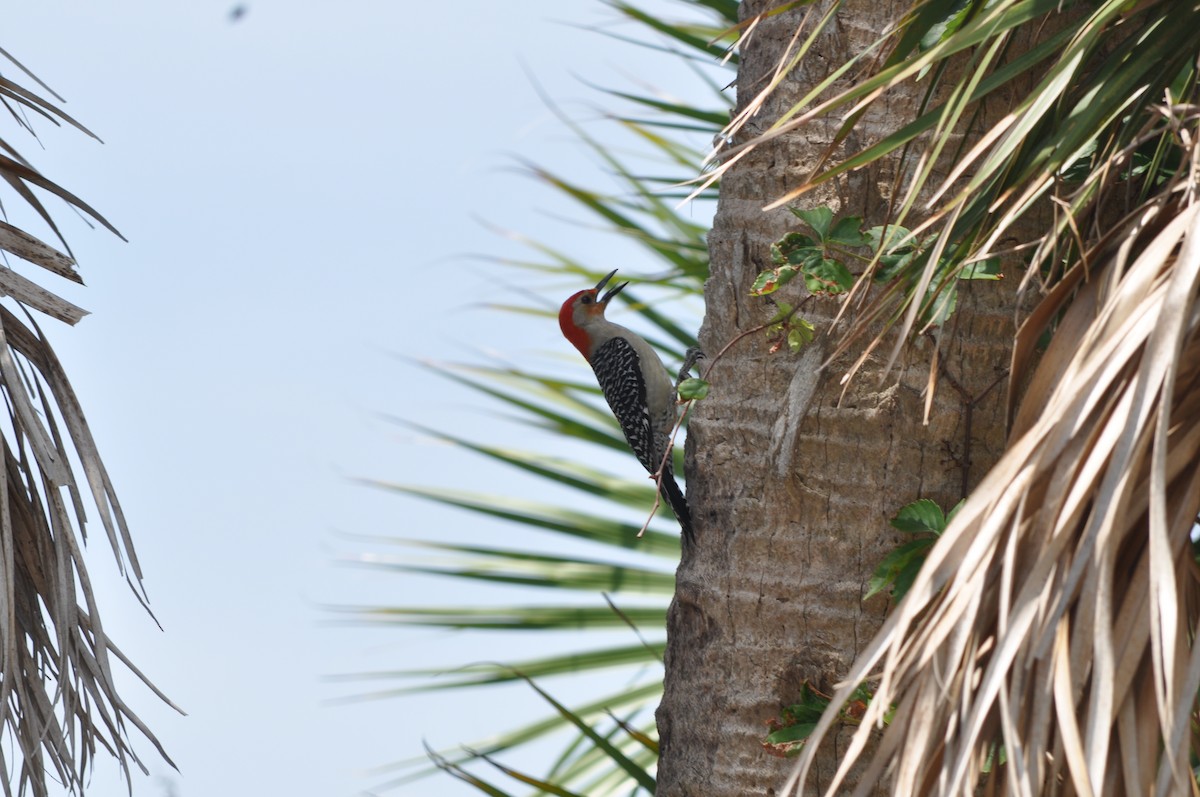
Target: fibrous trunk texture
[{"x": 792, "y": 482}]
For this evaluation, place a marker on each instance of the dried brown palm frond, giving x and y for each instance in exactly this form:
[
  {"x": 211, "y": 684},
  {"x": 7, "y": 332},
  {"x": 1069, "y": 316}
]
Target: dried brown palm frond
[
  {"x": 1053, "y": 626},
  {"x": 58, "y": 700}
]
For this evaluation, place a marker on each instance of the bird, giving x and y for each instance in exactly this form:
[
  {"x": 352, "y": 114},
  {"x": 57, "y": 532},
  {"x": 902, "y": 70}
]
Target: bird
[{"x": 635, "y": 383}]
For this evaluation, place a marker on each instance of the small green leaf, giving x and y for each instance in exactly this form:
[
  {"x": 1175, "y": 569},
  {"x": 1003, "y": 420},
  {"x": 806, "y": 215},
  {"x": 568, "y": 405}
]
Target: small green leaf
[
  {"x": 818, "y": 218},
  {"x": 690, "y": 389},
  {"x": 848, "y": 232},
  {"x": 901, "y": 564},
  {"x": 790, "y": 735},
  {"x": 828, "y": 276},
  {"x": 942, "y": 304},
  {"x": 777, "y": 255},
  {"x": 792, "y": 248},
  {"x": 782, "y": 311},
  {"x": 981, "y": 270},
  {"x": 802, "y": 332},
  {"x": 890, "y": 266},
  {"x": 771, "y": 280},
  {"x": 939, "y": 31},
  {"x": 908, "y": 573},
  {"x": 877, "y": 238},
  {"x": 900, "y": 567},
  {"x": 808, "y": 258},
  {"x": 795, "y": 723},
  {"x": 879, "y": 580},
  {"x": 921, "y": 515}
]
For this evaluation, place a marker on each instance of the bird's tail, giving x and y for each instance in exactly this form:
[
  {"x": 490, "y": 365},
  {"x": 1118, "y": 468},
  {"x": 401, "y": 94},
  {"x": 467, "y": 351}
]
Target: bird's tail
[{"x": 674, "y": 495}]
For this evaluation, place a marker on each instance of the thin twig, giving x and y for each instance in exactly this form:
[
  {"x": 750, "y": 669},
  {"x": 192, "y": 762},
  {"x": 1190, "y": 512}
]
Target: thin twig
[{"x": 657, "y": 476}]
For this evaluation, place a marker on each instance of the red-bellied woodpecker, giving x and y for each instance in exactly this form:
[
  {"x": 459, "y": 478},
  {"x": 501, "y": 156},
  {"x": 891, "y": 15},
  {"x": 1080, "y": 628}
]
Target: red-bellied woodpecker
[{"x": 634, "y": 382}]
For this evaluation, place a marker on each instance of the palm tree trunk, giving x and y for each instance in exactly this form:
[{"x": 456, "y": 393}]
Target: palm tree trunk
[{"x": 791, "y": 482}]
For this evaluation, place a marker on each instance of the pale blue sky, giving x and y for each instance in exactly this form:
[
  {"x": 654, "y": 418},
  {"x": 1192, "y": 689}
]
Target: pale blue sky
[{"x": 302, "y": 191}]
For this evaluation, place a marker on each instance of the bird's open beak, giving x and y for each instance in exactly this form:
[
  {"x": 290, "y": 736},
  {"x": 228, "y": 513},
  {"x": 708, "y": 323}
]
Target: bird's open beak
[{"x": 612, "y": 291}]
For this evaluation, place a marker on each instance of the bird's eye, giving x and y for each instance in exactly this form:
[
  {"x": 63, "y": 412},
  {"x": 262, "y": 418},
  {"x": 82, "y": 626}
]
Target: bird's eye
[{"x": 586, "y": 300}]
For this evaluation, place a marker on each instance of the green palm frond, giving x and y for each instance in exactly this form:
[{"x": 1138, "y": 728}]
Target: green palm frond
[
  {"x": 579, "y": 760},
  {"x": 520, "y": 567},
  {"x": 710, "y": 42},
  {"x": 590, "y": 760},
  {"x": 516, "y": 566},
  {"x": 607, "y": 756},
  {"x": 545, "y": 516},
  {"x": 491, "y": 674}
]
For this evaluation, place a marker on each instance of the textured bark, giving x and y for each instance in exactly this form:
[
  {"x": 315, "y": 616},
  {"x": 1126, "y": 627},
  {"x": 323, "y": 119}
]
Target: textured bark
[{"x": 792, "y": 484}]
